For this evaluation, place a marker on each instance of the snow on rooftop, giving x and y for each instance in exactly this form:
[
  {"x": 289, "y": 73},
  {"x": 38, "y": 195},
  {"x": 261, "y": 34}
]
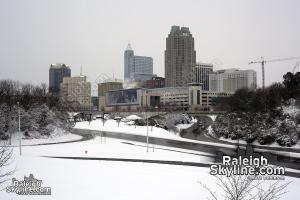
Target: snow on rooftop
[{"x": 132, "y": 117}]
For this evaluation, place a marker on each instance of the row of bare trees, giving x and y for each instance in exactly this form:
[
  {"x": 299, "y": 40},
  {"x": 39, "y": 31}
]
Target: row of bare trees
[{"x": 28, "y": 94}]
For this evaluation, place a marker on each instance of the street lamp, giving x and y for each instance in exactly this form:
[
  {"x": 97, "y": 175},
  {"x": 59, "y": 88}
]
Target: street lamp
[
  {"x": 20, "y": 140},
  {"x": 147, "y": 132}
]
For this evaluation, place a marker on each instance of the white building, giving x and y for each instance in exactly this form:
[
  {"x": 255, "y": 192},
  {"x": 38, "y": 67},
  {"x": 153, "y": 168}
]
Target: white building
[
  {"x": 77, "y": 90},
  {"x": 230, "y": 80}
]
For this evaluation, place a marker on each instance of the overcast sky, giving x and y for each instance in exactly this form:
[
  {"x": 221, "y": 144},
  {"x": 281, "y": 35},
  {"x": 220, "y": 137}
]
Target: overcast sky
[{"x": 95, "y": 33}]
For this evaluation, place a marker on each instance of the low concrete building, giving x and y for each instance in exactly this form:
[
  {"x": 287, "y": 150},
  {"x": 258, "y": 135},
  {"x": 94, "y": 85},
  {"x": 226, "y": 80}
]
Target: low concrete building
[{"x": 190, "y": 98}]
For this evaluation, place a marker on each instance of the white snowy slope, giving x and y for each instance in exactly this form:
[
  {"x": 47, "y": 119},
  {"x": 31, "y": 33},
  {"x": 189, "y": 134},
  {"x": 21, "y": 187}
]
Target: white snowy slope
[
  {"x": 54, "y": 138},
  {"x": 94, "y": 179},
  {"x": 185, "y": 126},
  {"x": 112, "y": 126}
]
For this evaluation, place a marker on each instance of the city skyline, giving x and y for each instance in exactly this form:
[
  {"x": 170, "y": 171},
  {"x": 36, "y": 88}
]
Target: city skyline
[{"x": 94, "y": 34}]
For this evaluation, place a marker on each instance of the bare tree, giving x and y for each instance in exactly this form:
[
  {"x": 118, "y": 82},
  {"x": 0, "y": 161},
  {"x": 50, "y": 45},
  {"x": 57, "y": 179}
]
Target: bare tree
[
  {"x": 238, "y": 187},
  {"x": 5, "y": 159}
]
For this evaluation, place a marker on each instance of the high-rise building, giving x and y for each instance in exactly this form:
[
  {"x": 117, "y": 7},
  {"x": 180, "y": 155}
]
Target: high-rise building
[
  {"x": 56, "y": 74},
  {"x": 180, "y": 57},
  {"x": 230, "y": 80},
  {"x": 77, "y": 90},
  {"x": 136, "y": 64},
  {"x": 128, "y": 62},
  {"x": 200, "y": 74}
]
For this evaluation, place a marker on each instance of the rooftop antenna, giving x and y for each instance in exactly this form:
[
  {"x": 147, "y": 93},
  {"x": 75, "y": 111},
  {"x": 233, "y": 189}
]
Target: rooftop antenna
[
  {"x": 129, "y": 46},
  {"x": 81, "y": 70}
]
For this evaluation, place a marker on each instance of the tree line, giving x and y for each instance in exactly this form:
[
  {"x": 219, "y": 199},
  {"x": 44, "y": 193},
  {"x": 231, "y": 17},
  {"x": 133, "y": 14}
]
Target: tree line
[
  {"x": 40, "y": 110},
  {"x": 263, "y": 100},
  {"x": 266, "y": 115},
  {"x": 28, "y": 94}
]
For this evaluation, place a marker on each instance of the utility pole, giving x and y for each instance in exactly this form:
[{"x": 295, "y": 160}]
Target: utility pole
[{"x": 263, "y": 72}]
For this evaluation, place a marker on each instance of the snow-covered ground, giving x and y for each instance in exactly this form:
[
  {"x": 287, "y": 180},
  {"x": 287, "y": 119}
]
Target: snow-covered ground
[
  {"x": 112, "y": 126},
  {"x": 57, "y": 137},
  {"x": 213, "y": 117},
  {"x": 274, "y": 144},
  {"x": 185, "y": 126},
  {"x": 92, "y": 179},
  {"x": 88, "y": 179}
]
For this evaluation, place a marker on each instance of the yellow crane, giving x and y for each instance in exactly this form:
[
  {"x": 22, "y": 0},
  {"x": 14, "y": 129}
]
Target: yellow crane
[{"x": 263, "y": 62}]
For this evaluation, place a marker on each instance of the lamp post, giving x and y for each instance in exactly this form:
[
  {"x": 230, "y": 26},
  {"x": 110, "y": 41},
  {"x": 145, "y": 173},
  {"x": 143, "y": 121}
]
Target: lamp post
[
  {"x": 20, "y": 140},
  {"x": 147, "y": 132}
]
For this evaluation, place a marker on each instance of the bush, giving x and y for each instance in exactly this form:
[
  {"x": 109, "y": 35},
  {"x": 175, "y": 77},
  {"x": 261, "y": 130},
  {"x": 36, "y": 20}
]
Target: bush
[
  {"x": 4, "y": 136},
  {"x": 266, "y": 138},
  {"x": 285, "y": 140},
  {"x": 140, "y": 122}
]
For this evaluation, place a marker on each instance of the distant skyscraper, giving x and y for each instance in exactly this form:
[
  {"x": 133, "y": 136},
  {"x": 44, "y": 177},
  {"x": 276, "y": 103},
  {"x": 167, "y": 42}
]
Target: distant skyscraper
[
  {"x": 136, "y": 64},
  {"x": 56, "y": 74},
  {"x": 200, "y": 74},
  {"x": 180, "y": 57},
  {"x": 128, "y": 62}
]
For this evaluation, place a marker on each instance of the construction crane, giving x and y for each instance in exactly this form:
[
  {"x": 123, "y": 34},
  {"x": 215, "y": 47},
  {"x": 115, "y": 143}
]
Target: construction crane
[
  {"x": 295, "y": 67},
  {"x": 263, "y": 62}
]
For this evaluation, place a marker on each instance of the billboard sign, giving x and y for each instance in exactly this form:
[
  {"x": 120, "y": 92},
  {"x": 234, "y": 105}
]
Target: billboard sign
[{"x": 122, "y": 97}]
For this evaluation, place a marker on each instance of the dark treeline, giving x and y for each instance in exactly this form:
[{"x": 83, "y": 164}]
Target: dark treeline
[
  {"x": 40, "y": 111},
  {"x": 27, "y": 95},
  {"x": 263, "y": 115},
  {"x": 263, "y": 100}
]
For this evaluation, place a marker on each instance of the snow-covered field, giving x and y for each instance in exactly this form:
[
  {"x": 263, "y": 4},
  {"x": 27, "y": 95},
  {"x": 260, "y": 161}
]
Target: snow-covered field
[
  {"x": 123, "y": 127},
  {"x": 112, "y": 126},
  {"x": 92, "y": 179},
  {"x": 63, "y": 137}
]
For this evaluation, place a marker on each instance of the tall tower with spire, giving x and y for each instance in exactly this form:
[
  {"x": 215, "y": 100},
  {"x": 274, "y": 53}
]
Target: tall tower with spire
[
  {"x": 128, "y": 61},
  {"x": 136, "y": 66}
]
